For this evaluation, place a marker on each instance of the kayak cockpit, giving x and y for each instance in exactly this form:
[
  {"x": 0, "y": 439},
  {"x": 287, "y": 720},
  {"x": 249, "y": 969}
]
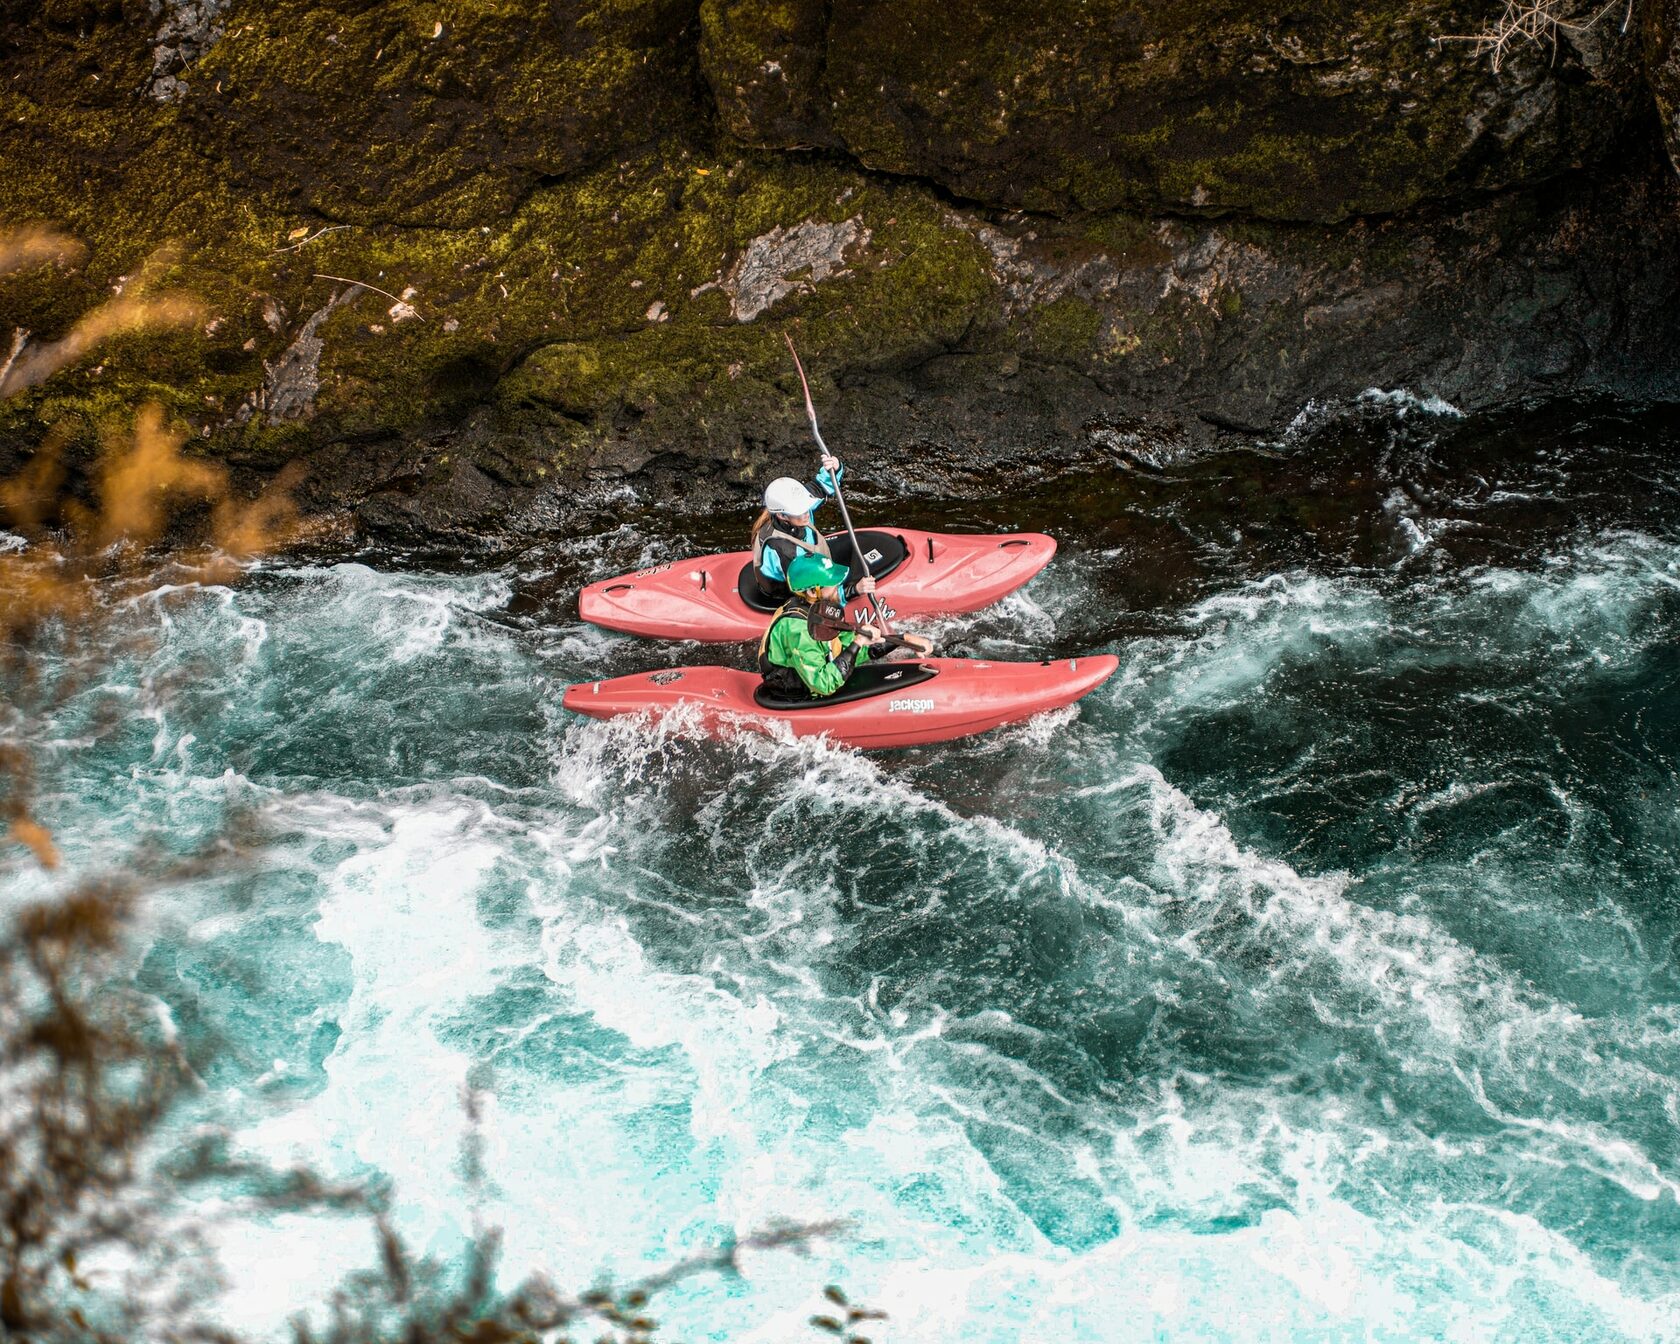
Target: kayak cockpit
[
  {"x": 885, "y": 552},
  {"x": 871, "y": 679}
]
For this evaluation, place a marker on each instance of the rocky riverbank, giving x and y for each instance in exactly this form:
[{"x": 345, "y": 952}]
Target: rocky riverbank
[{"x": 461, "y": 260}]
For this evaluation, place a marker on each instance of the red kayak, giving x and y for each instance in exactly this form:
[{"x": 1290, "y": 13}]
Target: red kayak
[
  {"x": 884, "y": 704},
  {"x": 715, "y": 598}
]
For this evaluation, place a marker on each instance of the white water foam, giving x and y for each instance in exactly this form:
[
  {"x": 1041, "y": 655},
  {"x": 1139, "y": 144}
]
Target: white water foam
[
  {"x": 1395, "y": 404},
  {"x": 1401, "y": 402},
  {"x": 688, "y": 1018}
]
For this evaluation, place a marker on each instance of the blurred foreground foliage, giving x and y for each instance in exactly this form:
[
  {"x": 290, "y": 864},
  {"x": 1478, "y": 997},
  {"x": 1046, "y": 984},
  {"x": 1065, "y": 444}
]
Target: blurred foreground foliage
[{"x": 88, "y": 1071}]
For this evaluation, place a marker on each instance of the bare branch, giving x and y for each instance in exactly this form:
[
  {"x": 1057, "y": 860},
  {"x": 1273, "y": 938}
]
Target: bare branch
[
  {"x": 132, "y": 310},
  {"x": 346, "y": 280},
  {"x": 20, "y": 338},
  {"x": 1540, "y": 22},
  {"x": 319, "y": 233}
]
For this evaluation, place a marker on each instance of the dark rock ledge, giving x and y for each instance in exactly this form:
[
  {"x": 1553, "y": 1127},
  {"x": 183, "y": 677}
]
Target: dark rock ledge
[{"x": 1006, "y": 240}]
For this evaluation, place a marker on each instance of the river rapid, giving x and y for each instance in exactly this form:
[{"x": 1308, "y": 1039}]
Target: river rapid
[{"x": 1314, "y": 979}]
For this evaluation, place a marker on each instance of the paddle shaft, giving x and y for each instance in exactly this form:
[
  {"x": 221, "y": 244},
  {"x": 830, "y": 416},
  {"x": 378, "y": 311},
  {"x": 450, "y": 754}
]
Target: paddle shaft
[{"x": 839, "y": 498}]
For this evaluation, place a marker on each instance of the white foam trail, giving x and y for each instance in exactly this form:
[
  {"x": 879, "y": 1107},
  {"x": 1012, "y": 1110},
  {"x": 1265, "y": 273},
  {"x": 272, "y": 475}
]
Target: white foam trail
[
  {"x": 402, "y": 905},
  {"x": 1396, "y": 405},
  {"x": 1402, "y": 403},
  {"x": 1238, "y": 639}
]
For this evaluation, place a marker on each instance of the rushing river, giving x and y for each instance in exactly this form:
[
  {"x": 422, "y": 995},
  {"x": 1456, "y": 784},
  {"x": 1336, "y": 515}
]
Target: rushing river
[{"x": 1315, "y": 979}]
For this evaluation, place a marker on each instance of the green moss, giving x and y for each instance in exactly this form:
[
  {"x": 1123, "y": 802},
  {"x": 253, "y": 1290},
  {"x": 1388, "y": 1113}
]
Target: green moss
[
  {"x": 557, "y": 299},
  {"x": 917, "y": 283},
  {"x": 1330, "y": 110},
  {"x": 764, "y": 63},
  {"x": 1128, "y": 239},
  {"x": 537, "y": 183},
  {"x": 1066, "y": 329},
  {"x": 411, "y": 112}
]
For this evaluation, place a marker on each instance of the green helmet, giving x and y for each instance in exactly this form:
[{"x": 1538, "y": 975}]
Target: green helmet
[{"x": 809, "y": 571}]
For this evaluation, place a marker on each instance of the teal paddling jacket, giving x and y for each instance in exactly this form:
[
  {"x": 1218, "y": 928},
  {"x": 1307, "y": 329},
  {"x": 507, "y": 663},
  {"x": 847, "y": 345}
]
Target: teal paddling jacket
[{"x": 772, "y": 564}]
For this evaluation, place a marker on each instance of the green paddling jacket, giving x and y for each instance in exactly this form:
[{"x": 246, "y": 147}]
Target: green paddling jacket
[{"x": 793, "y": 661}]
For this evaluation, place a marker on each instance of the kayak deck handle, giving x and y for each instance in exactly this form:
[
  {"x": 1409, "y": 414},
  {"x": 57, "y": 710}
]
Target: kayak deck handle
[
  {"x": 930, "y": 550},
  {"x": 618, "y": 588},
  {"x": 1017, "y": 541},
  {"x": 702, "y": 580}
]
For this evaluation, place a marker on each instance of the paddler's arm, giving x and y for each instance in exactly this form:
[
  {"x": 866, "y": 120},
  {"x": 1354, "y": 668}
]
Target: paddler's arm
[
  {"x": 880, "y": 645},
  {"x": 829, "y": 478}
]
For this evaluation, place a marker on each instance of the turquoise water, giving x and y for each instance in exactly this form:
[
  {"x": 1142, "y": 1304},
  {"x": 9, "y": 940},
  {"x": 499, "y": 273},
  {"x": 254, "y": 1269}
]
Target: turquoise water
[{"x": 1316, "y": 979}]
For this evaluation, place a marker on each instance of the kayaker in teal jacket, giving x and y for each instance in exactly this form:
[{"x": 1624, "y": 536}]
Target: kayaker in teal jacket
[
  {"x": 784, "y": 530},
  {"x": 803, "y": 652}
]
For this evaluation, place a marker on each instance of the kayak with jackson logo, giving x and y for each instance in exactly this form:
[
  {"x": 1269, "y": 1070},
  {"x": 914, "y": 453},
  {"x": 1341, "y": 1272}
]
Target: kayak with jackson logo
[{"x": 887, "y": 704}]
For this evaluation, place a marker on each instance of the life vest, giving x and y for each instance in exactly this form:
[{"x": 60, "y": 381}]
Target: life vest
[
  {"x": 779, "y": 677},
  {"x": 787, "y": 545}
]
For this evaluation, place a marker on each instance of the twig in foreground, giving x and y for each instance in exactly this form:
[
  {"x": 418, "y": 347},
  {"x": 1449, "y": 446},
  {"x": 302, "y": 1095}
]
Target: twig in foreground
[
  {"x": 346, "y": 280},
  {"x": 321, "y": 233}
]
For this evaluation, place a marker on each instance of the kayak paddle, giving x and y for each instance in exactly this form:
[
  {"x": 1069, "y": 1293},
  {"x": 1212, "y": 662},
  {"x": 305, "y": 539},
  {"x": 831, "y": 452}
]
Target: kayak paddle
[{"x": 840, "y": 499}]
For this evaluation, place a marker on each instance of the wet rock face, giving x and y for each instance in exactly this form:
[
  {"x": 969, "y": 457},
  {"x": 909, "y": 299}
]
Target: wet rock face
[
  {"x": 463, "y": 259},
  {"x": 764, "y": 64},
  {"x": 435, "y": 114},
  {"x": 957, "y": 353},
  {"x": 1315, "y": 112},
  {"x": 1661, "y": 35}
]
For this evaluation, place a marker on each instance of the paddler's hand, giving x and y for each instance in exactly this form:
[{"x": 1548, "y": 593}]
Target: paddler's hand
[
  {"x": 867, "y": 635},
  {"x": 865, "y": 585},
  {"x": 830, "y": 464},
  {"x": 920, "y": 643}
]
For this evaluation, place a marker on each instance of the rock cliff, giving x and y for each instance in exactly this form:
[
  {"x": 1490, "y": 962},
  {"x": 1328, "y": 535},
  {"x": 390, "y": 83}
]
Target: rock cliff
[
  {"x": 1662, "y": 62},
  {"x": 459, "y": 258}
]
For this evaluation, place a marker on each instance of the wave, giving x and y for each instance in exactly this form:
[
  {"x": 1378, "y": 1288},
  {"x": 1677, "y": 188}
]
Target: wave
[{"x": 1243, "y": 999}]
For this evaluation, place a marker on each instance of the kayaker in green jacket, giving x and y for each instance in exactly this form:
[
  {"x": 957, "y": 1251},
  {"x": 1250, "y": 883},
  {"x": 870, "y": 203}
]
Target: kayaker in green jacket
[{"x": 805, "y": 652}]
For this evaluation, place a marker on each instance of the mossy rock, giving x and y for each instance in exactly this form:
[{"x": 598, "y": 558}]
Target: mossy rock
[
  {"x": 595, "y": 316},
  {"x": 763, "y": 63},
  {"x": 1660, "y": 36},
  {"x": 667, "y": 364},
  {"x": 437, "y": 115},
  {"x": 1341, "y": 108},
  {"x": 416, "y": 266}
]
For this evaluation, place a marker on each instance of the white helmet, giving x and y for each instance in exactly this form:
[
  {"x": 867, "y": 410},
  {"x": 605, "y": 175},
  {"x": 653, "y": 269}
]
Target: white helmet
[{"x": 786, "y": 495}]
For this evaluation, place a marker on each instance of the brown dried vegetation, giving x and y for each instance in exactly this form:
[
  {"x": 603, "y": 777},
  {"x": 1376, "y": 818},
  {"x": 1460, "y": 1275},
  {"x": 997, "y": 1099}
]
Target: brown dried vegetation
[
  {"x": 74, "y": 555},
  {"x": 83, "y": 1078},
  {"x": 83, "y": 1088},
  {"x": 134, "y": 308},
  {"x": 1537, "y": 23},
  {"x": 76, "y": 558}
]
